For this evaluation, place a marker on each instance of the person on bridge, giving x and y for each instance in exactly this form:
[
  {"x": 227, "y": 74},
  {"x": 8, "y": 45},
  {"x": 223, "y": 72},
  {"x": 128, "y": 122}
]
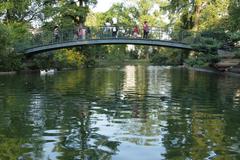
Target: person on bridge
[
  {"x": 88, "y": 32},
  {"x": 145, "y": 30},
  {"x": 135, "y": 32},
  {"x": 56, "y": 34},
  {"x": 114, "y": 31},
  {"x": 107, "y": 29},
  {"x": 81, "y": 32}
]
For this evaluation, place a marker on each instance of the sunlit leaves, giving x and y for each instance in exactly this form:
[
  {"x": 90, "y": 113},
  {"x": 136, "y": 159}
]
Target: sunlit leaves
[
  {"x": 75, "y": 10},
  {"x": 198, "y": 14},
  {"x": 20, "y": 11},
  {"x": 68, "y": 57}
]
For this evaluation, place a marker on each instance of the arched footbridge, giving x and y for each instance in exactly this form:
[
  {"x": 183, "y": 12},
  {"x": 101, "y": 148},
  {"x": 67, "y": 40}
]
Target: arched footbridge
[{"x": 43, "y": 41}]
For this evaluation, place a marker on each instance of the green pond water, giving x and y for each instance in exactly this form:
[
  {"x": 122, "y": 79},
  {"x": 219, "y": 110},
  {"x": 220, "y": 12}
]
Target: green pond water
[{"x": 122, "y": 113}]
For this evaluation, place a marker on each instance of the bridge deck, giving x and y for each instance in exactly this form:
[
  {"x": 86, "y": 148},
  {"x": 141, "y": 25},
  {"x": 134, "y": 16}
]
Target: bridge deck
[
  {"x": 46, "y": 40},
  {"x": 109, "y": 41}
]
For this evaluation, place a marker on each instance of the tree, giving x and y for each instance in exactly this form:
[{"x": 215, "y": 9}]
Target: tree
[
  {"x": 65, "y": 11},
  {"x": 234, "y": 18},
  {"x": 5, "y": 41},
  {"x": 20, "y": 11},
  {"x": 197, "y": 14}
]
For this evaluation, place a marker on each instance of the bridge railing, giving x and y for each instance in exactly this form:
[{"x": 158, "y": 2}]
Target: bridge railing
[{"x": 47, "y": 37}]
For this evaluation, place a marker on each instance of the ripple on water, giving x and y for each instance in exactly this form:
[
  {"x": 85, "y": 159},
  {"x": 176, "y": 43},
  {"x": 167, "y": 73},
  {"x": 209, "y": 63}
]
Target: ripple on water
[
  {"x": 53, "y": 132},
  {"x": 27, "y": 145},
  {"x": 235, "y": 147},
  {"x": 211, "y": 155},
  {"x": 72, "y": 140},
  {"x": 131, "y": 113}
]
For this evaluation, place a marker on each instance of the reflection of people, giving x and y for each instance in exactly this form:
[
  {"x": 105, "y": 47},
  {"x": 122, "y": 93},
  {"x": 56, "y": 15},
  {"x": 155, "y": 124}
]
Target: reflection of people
[
  {"x": 145, "y": 30},
  {"x": 135, "y": 32},
  {"x": 56, "y": 33}
]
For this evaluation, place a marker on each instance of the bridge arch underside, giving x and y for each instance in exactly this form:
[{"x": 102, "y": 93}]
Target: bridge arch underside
[{"x": 56, "y": 46}]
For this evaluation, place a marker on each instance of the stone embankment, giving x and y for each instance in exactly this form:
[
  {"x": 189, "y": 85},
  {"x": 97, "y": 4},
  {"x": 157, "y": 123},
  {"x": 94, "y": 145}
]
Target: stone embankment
[{"x": 229, "y": 62}]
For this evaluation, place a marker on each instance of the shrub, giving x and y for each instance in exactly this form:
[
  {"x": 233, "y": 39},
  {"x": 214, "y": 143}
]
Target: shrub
[
  {"x": 159, "y": 59},
  {"x": 9, "y": 61},
  {"x": 202, "y": 60},
  {"x": 209, "y": 45},
  {"x": 237, "y": 54},
  {"x": 196, "y": 62},
  {"x": 4, "y": 39},
  {"x": 234, "y": 36},
  {"x": 69, "y": 58}
]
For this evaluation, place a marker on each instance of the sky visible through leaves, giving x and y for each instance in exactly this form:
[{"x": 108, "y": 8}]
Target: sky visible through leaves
[{"x": 104, "y": 5}]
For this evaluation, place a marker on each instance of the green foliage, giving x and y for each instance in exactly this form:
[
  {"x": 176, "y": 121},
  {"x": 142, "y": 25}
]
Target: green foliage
[
  {"x": 209, "y": 45},
  {"x": 14, "y": 36},
  {"x": 15, "y": 33},
  {"x": 73, "y": 12},
  {"x": 197, "y": 15},
  {"x": 167, "y": 57},
  {"x": 118, "y": 11},
  {"x": 237, "y": 54},
  {"x": 41, "y": 62},
  {"x": 10, "y": 62},
  {"x": 202, "y": 60},
  {"x": 67, "y": 58},
  {"x": 19, "y": 35},
  {"x": 9, "y": 147},
  {"x": 4, "y": 39},
  {"x": 116, "y": 54},
  {"x": 20, "y": 11},
  {"x": 198, "y": 62},
  {"x": 234, "y": 36},
  {"x": 218, "y": 21},
  {"x": 213, "y": 14},
  {"x": 10, "y": 36},
  {"x": 133, "y": 54},
  {"x": 159, "y": 59},
  {"x": 64, "y": 58},
  {"x": 135, "y": 13},
  {"x": 234, "y": 18},
  {"x": 213, "y": 58},
  {"x": 216, "y": 33}
]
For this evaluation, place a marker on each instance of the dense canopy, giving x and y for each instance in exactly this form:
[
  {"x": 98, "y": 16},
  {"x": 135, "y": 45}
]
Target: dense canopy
[{"x": 20, "y": 19}]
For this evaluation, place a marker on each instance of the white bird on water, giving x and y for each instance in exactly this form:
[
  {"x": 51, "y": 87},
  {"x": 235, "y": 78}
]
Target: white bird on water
[{"x": 47, "y": 71}]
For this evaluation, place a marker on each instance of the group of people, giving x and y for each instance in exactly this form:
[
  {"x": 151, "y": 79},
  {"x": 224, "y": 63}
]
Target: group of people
[
  {"x": 109, "y": 28},
  {"x": 136, "y": 32},
  {"x": 82, "y": 32}
]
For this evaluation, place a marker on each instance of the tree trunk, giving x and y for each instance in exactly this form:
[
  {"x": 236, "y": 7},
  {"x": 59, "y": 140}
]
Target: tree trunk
[
  {"x": 81, "y": 18},
  {"x": 80, "y": 3},
  {"x": 8, "y": 16},
  {"x": 197, "y": 12}
]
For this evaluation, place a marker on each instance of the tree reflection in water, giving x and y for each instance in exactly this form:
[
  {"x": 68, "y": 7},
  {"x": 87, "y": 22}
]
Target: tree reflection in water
[{"x": 135, "y": 112}]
